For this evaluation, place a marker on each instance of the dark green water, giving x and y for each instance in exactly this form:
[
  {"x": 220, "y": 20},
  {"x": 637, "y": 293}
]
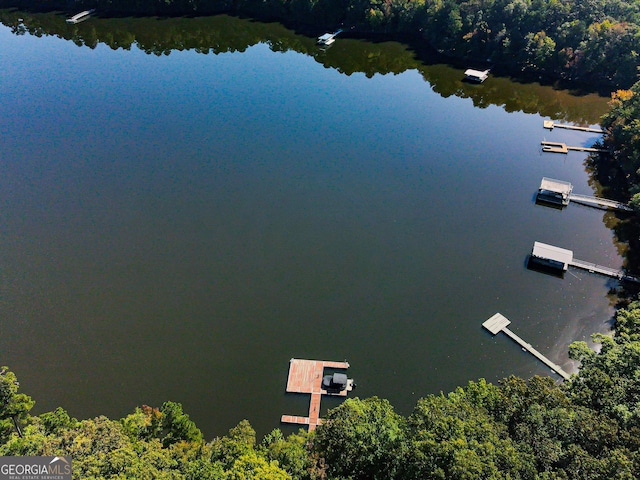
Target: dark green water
[{"x": 179, "y": 225}]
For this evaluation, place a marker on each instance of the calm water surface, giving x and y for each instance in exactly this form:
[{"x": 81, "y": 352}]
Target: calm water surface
[{"x": 179, "y": 226}]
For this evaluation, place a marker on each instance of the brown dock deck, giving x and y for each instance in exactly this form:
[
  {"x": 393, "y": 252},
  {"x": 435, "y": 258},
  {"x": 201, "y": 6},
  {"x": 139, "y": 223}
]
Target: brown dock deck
[
  {"x": 305, "y": 376},
  {"x": 559, "y": 147}
]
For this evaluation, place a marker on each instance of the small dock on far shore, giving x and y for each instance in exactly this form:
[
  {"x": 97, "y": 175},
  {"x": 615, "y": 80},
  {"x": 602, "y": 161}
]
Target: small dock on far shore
[
  {"x": 328, "y": 38},
  {"x": 498, "y": 323},
  {"x": 305, "y": 376},
  {"x": 551, "y": 125},
  {"x": 476, "y": 76},
  {"x": 559, "y": 147},
  {"x": 82, "y": 16}
]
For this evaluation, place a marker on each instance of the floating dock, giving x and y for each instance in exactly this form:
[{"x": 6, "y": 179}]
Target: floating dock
[
  {"x": 560, "y": 259},
  {"x": 498, "y": 323},
  {"x": 305, "y": 376},
  {"x": 558, "y": 192},
  {"x": 559, "y": 147},
  {"x": 551, "y": 125}
]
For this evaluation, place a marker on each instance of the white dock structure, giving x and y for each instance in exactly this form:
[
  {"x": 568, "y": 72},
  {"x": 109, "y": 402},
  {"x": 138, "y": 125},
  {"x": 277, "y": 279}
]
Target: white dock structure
[
  {"x": 328, "y": 38},
  {"x": 561, "y": 259},
  {"x": 558, "y": 192},
  {"x": 551, "y": 125},
  {"x": 553, "y": 191},
  {"x": 79, "y": 17},
  {"x": 550, "y": 256},
  {"x": 559, "y": 147},
  {"x": 498, "y": 323},
  {"x": 477, "y": 76}
]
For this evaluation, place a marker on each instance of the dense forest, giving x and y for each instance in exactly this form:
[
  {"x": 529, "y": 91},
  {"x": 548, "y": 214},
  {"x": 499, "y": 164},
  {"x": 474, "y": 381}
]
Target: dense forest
[
  {"x": 593, "y": 42},
  {"x": 619, "y": 171},
  {"x": 586, "y": 428}
]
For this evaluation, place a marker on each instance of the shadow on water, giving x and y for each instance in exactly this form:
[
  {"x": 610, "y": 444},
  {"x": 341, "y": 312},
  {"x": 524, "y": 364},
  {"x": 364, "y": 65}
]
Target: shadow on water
[
  {"x": 536, "y": 266},
  {"x": 543, "y": 203}
]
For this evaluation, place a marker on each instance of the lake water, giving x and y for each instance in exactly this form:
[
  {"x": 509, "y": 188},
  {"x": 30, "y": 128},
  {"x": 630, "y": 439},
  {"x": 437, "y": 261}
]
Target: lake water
[{"x": 178, "y": 225}]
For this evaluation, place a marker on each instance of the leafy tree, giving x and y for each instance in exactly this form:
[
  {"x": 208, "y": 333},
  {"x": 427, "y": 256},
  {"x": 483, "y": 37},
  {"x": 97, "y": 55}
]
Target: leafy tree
[
  {"x": 292, "y": 453},
  {"x": 57, "y": 421},
  {"x": 361, "y": 439},
  {"x": 14, "y": 406},
  {"x": 145, "y": 423},
  {"x": 451, "y": 438},
  {"x": 177, "y": 426},
  {"x": 240, "y": 441}
]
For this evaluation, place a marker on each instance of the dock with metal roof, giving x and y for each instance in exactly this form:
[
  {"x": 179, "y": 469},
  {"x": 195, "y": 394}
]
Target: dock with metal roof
[
  {"x": 551, "y": 256},
  {"x": 305, "y": 376},
  {"x": 561, "y": 258},
  {"x": 559, "y": 192},
  {"x": 499, "y": 323}
]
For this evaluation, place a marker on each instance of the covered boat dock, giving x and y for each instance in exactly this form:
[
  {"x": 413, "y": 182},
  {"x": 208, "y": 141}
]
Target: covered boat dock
[
  {"x": 552, "y": 257},
  {"x": 553, "y": 191},
  {"x": 477, "y": 76}
]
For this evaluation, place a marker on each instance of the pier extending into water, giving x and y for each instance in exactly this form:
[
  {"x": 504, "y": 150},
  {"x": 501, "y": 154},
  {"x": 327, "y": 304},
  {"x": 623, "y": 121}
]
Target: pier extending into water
[
  {"x": 559, "y": 192},
  {"x": 498, "y": 323},
  {"x": 609, "y": 272},
  {"x": 551, "y": 125},
  {"x": 305, "y": 376},
  {"x": 600, "y": 202},
  {"x": 559, "y": 147},
  {"x": 560, "y": 259}
]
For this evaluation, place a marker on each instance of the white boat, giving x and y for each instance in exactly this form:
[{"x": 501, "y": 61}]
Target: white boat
[
  {"x": 478, "y": 76},
  {"x": 78, "y": 17},
  {"x": 328, "y": 38}
]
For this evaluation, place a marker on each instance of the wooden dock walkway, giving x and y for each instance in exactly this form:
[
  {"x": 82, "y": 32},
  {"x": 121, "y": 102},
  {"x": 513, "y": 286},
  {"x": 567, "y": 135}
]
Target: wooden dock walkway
[
  {"x": 559, "y": 147},
  {"x": 305, "y": 376},
  {"x": 600, "y": 202},
  {"x": 609, "y": 272},
  {"x": 498, "y": 323},
  {"x": 551, "y": 125}
]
